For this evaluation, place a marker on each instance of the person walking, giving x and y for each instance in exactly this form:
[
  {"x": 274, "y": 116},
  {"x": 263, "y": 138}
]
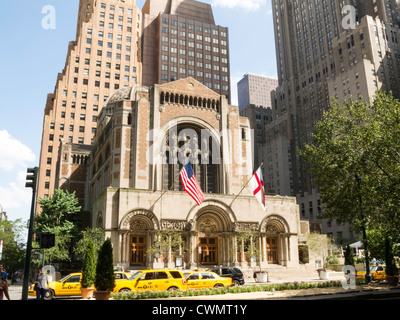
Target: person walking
[
  {"x": 4, "y": 281},
  {"x": 43, "y": 286}
]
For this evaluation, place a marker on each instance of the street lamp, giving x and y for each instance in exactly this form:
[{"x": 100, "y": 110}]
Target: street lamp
[{"x": 368, "y": 276}]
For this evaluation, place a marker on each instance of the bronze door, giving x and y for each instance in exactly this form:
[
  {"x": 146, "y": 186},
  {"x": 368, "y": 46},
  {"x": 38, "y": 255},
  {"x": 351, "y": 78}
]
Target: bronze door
[
  {"x": 272, "y": 250},
  {"x": 138, "y": 250},
  {"x": 208, "y": 251}
]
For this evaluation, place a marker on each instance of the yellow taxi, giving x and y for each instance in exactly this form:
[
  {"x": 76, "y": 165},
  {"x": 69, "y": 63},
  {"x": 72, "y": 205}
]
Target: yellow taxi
[
  {"x": 153, "y": 280},
  {"x": 377, "y": 273},
  {"x": 70, "y": 285},
  {"x": 206, "y": 279}
]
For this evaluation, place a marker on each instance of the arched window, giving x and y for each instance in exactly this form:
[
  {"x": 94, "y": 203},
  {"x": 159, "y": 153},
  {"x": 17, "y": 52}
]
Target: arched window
[{"x": 188, "y": 147}]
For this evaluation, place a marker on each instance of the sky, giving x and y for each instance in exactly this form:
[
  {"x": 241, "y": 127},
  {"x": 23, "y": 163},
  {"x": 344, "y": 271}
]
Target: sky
[{"x": 31, "y": 57}]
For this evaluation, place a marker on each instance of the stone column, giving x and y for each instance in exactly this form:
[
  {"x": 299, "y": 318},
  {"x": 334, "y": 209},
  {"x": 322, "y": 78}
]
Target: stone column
[
  {"x": 192, "y": 249},
  {"x": 234, "y": 251}
]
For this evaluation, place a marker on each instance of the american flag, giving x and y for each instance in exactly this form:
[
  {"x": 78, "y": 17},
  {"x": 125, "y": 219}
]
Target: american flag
[{"x": 190, "y": 183}]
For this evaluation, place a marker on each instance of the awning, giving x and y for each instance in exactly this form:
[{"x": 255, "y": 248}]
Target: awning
[{"x": 357, "y": 244}]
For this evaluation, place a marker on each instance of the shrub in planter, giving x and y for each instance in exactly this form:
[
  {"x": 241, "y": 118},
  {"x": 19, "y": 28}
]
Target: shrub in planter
[
  {"x": 88, "y": 272},
  {"x": 105, "y": 279}
]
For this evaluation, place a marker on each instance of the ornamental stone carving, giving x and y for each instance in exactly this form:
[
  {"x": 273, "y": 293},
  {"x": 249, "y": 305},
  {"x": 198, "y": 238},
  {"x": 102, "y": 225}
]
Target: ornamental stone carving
[
  {"x": 127, "y": 220},
  {"x": 138, "y": 225},
  {"x": 245, "y": 226},
  {"x": 173, "y": 225},
  {"x": 208, "y": 225}
]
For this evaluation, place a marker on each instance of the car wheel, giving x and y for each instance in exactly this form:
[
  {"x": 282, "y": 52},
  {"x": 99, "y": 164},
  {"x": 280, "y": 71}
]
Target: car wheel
[
  {"x": 236, "y": 283},
  {"x": 50, "y": 295},
  {"x": 218, "y": 285},
  {"x": 173, "y": 288},
  {"x": 124, "y": 290}
]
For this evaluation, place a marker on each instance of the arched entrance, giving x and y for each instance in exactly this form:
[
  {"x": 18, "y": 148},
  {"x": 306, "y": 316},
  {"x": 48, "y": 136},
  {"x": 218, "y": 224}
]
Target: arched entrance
[
  {"x": 137, "y": 229},
  {"x": 210, "y": 235},
  {"x": 276, "y": 236}
]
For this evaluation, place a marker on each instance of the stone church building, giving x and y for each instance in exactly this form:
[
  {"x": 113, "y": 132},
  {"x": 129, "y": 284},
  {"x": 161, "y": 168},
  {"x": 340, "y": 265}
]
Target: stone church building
[{"x": 145, "y": 136}]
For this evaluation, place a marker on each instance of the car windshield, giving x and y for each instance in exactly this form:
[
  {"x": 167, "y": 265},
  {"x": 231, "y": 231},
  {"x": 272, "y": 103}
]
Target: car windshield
[
  {"x": 62, "y": 279},
  {"x": 371, "y": 268},
  {"x": 137, "y": 274}
]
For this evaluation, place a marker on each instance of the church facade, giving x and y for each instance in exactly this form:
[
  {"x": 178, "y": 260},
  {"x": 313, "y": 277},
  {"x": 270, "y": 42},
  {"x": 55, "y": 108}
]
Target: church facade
[{"x": 145, "y": 136}]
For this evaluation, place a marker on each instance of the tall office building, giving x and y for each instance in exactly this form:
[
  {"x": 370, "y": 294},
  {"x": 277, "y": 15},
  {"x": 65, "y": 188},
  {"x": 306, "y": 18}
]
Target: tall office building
[
  {"x": 104, "y": 57},
  {"x": 324, "y": 49},
  {"x": 181, "y": 39},
  {"x": 256, "y": 90}
]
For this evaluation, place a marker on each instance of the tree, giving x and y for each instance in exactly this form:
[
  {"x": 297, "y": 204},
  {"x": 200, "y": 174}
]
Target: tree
[
  {"x": 170, "y": 242},
  {"x": 95, "y": 235},
  {"x": 349, "y": 257},
  {"x": 105, "y": 279},
  {"x": 354, "y": 160},
  {"x": 13, "y": 255},
  {"x": 89, "y": 267},
  {"x": 58, "y": 216},
  {"x": 319, "y": 245}
]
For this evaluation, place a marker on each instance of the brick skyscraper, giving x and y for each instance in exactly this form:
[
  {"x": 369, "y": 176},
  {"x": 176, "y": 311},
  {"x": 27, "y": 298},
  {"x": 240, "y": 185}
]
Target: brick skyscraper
[
  {"x": 179, "y": 38},
  {"x": 104, "y": 57}
]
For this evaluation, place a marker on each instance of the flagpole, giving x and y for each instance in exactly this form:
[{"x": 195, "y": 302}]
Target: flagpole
[
  {"x": 246, "y": 184},
  {"x": 172, "y": 186}
]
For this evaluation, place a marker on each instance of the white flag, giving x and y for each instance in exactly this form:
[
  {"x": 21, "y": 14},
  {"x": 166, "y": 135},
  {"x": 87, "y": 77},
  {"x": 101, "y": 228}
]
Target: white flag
[{"x": 257, "y": 187}]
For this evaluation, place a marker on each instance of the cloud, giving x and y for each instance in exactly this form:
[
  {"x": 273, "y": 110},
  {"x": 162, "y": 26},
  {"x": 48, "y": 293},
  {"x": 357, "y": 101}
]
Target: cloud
[
  {"x": 14, "y": 154},
  {"x": 249, "y": 5},
  {"x": 15, "y": 195}
]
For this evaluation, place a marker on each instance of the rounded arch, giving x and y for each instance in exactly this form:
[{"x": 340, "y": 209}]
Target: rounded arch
[
  {"x": 200, "y": 217},
  {"x": 274, "y": 224},
  {"x": 139, "y": 219}
]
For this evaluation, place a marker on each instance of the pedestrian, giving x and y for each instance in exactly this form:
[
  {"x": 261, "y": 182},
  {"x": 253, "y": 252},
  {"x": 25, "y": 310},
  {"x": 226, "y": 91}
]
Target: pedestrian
[
  {"x": 4, "y": 281},
  {"x": 43, "y": 286}
]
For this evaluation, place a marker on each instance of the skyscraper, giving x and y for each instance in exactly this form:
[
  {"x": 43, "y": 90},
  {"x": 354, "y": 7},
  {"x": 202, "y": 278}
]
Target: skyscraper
[
  {"x": 104, "y": 57},
  {"x": 324, "y": 49},
  {"x": 256, "y": 90},
  {"x": 179, "y": 39}
]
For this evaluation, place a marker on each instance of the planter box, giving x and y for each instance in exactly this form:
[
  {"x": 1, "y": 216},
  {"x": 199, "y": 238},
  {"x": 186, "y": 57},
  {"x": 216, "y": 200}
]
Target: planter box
[
  {"x": 261, "y": 277},
  {"x": 87, "y": 293},
  {"x": 324, "y": 275}
]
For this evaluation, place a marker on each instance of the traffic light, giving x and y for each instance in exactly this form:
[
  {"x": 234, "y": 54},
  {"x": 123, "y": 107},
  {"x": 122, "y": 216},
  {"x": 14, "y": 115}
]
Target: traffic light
[
  {"x": 31, "y": 178},
  {"x": 47, "y": 240}
]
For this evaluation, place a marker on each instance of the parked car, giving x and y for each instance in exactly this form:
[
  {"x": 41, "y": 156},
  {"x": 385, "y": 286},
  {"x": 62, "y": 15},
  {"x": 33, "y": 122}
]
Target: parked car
[
  {"x": 377, "y": 273},
  {"x": 157, "y": 280},
  {"x": 232, "y": 272},
  {"x": 70, "y": 285},
  {"x": 206, "y": 279}
]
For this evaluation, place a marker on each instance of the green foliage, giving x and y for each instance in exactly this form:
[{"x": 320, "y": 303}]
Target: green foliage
[
  {"x": 13, "y": 255},
  {"x": 391, "y": 268},
  {"x": 349, "y": 257},
  {"x": 59, "y": 216},
  {"x": 319, "y": 245},
  {"x": 89, "y": 267},
  {"x": 138, "y": 295},
  {"x": 352, "y": 140},
  {"x": 169, "y": 242},
  {"x": 95, "y": 235},
  {"x": 105, "y": 279}
]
